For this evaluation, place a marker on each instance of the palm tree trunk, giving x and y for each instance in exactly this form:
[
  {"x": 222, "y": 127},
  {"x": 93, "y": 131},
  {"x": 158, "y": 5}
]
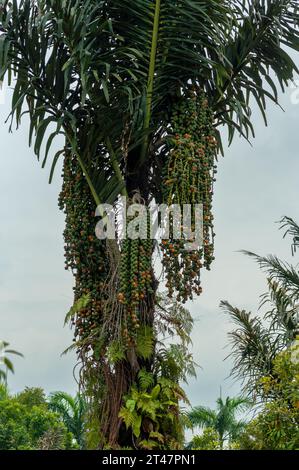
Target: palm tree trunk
[{"x": 96, "y": 324}]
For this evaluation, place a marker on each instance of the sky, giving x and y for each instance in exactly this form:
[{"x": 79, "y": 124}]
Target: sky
[{"x": 256, "y": 186}]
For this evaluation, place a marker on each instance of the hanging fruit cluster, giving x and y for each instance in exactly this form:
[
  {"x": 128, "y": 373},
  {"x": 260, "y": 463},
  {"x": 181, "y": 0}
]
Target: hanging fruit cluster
[
  {"x": 84, "y": 253},
  {"x": 188, "y": 178},
  {"x": 136, "y": 279}
]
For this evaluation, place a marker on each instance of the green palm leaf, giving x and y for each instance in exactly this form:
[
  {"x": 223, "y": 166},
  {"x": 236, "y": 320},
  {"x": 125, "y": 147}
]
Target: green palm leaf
[
  {"x": 201, "y": 416},
  {"x": 223, "y": 420},
  {"x": 72, "y": 411},
  {"x": 114, "y": 68}
]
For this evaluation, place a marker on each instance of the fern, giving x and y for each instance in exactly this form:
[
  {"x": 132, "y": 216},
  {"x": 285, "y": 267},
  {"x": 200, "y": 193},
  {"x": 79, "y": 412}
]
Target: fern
[
  {"x": 156, "y": 399},
  {"x": 131, "y": 419},
  {"x": 145, "y": 379},
  {"x": 147, "y": 406},
  {"x": 156, "y": 392},
  {"x": 157, "y": 435},
  {"x": 148, "y": 444},
  {"x": 115, "y": 352},
  {"x": 127, "y": 416},
  {"x": 145, "y": 342},
  {"x": 176, "y": 363},
  {"x": 83, "y": 302},
  {"x": 172, "y": 390},
  {"x": 136, "y": 425},
  {"x": 173, "y": 319}
]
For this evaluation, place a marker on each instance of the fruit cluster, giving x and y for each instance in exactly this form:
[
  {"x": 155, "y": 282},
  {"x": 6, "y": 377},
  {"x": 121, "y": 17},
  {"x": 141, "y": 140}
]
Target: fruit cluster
[
  {"x": 84, "y": 253},
  {"x": 188, "y": 178},
  {"x": 136, "y": 279}
]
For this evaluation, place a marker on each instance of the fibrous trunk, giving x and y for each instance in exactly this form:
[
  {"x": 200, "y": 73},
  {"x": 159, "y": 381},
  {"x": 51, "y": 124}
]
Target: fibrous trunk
[
  {"x": 132, "y": 379},
  {"x": 114, "y": 305}
]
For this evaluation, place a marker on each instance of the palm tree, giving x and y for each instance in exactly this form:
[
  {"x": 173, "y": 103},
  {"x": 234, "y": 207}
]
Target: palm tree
[
  {"x": 259, "y": 338},
  {"x": 4, "y": 360},
  {"x": 72, "y": 411},
  {"x": 223, "y": 420},
  {"x": 134, "y": 87}
]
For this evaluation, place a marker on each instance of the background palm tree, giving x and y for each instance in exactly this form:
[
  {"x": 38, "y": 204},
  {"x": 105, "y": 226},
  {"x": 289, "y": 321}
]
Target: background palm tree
[
  {"x": 72, "y": 411},
  {"x": 223, "y": 420},
  {"x": 111, "y": 77},
  {"x": 5, "y": 361},
  {"x": 258, "y": 339}
]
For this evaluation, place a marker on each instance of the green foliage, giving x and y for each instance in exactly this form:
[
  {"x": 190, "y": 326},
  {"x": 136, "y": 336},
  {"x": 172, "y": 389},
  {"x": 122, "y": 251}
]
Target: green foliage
[
  {"x": 253, "y": 350},
  {"x": 175, "y": 362},
  {"x": 222, "y": 421},
  {"x": 266, "y": 355},
  {"x": 93, "y": 434},
  {"x": 151, "y": 408},
  {"x": 284, "y": 380},
  {"x": 115, "y": 352},
  {"x": 25, "y": 422},
  {"x": 72, "y": 411},
  {"x": 236, "y": 47},
  {"x": 4, "y": 394},
  {"x": 14, "y": 433},
  {"x": 40, "y": 421},
  {"x": 152, "y": 412},
  {"x": 107, "y": 75},
  {"x": 145, "y": 342},
  {"x": 145, "y": 379},
  {"x": 258, "y": 339},
  {"x": 276, "y": 427},
  {"x": 208, "y": 440},
  {"x": 173, "y": 319},
  {"x": 32, "y": 396}
]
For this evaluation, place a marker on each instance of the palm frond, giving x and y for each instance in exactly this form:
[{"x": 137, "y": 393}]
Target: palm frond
[
  {"x": 284, "y": 273},
  {"x": 109, "y": 72},
  {"x": 173, "y": 319},
  {"x": 257, "y": 60},
  {"x": 237, "y": 428},
  {"x": 253, "y": 348},
  {"x": 202, "y": 417},
  {"x": 5, "y": 360},
  {"x": 72, "y": 411},
  {"x": 284, "y": 314},
  {"x": 236, "y": 404},
  {"x": 292, "y": 230}
]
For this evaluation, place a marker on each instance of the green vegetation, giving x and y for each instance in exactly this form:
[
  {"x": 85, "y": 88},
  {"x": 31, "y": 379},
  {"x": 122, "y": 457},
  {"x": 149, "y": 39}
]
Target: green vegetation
[
  {"x": 207, "y": 440},
  {"x": 265, "y": 350},
  {"x": 221, "y": 423},
  {"x": 139, "y": 91},
  {"x": 26, "y": 423},
  {"x": 265, "y": 353},
  {"x": 276, "y": 427},
  {"x": 72, "y": 411},
  {"x": 258, "y": 339}
]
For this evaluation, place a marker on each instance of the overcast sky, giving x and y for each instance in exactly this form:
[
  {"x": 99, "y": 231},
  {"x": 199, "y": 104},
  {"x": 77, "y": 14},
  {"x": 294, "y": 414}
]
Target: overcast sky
[{"x": 256, "y": 186}]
